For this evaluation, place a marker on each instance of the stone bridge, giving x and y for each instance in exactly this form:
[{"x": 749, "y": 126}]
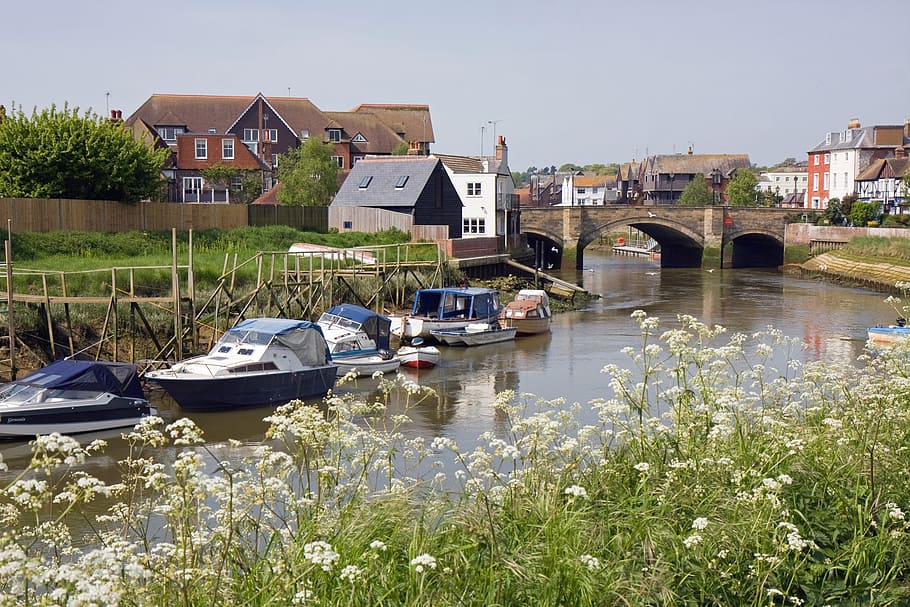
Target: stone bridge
[{"x": 688, "y": 236}]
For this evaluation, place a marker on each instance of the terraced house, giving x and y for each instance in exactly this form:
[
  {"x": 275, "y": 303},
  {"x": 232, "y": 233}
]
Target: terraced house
[{"x": 249, "y": 133}]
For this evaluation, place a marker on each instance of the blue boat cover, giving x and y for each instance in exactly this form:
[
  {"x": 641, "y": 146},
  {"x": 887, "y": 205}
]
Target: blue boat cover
[
  {"x": 376, "y": 326},
  {"x": 456, "y": 302},
  {"x": 121, "y": 379},
  {"x": 273, "y": 326}
]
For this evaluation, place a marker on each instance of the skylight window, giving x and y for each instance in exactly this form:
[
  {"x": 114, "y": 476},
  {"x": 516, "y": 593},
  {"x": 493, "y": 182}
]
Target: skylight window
[
  {"x": 401, "y": 181},
  {"x": 365, "y": 182}
]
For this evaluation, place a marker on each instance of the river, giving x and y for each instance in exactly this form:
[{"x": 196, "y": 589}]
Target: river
[{"x": 830, "y": 320}]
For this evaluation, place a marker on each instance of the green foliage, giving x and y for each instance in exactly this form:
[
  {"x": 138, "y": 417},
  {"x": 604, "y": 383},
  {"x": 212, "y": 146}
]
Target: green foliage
[
  {"x": 601, "y": 169},
  {"x": 741, "y": 190},
  {"x": 570, "y": 168},
  {"x": 862, "y": 213},
  {"x": 882, "y": 248},
  {"x": 308, "y": 174},
  {"x": 697, "y": 193},
  {"x": 401, "y": 149},
  {"x": 222, "y": 176},
  {"x": 519, "y": 179},
  {"x": 834, "y": 212},
  {"x": 60, "y": 154}
]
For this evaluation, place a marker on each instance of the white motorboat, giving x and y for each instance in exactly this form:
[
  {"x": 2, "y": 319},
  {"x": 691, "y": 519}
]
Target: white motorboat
[
  {"x": 260, "y": 361},
  {"x": 72, "y": 396},
  {"x": 358, "y": 340},
  {"x": 447, "y": 309},
  {"x": 418, "y": 355},
  {"x": 476, "y": 334}
]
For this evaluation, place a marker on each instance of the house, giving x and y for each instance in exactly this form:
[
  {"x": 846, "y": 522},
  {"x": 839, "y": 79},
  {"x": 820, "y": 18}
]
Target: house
[
  {"x": 836, "y": 161},
  {"x": 785, "y": 182},
  {"x": 544, "y": 190},
  {"x": 486, "y": 189},
  {"x": 197, "y": 152},
  {"x": 408, "y": 190},
  {"x": 588, "y": 190},
  {"x": 270, "y": 126},
  {"x": 883, "y": 182},
  {"x": 663, "y": 178},
  {"x": 628, "y": 187}
]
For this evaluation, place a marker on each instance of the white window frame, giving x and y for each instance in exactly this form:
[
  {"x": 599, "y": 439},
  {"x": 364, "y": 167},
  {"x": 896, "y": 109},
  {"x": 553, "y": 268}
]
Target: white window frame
[
  {"x": 202, "y": 149},
  {"x": 227, "y": 149},
  {"x": 192, "y": 184},
  {"x": 474, "y": 225},
  {"x": 826, "y": 180},
  {"x": 815, "y": 182},
  {"x": 827, "y": 158},
  {"x": 250, "y": 135},
  {"x": 335, "y": 135},
  {"x": 475, "y": 188},
  {"x": 272, "y": 135},
  {"x": 339, "y": 160}
]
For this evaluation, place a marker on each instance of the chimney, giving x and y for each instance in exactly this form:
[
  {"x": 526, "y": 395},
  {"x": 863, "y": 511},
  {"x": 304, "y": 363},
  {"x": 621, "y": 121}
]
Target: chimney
[
  {"x": 502, "y": 150},
  {"x": 690, "y": 150},
  {"x": 900, "y": 152},
  {"x": 906, "y": 126},
  {"x": 853, "y": 124}
]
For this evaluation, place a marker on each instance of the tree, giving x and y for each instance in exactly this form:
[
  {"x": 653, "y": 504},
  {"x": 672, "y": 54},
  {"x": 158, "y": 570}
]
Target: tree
[
  {"x": 401, "y": 149},
  {"x": 741, "y": 190},
  {"x": 697, "y": 193},
  {"x": 569, "y": 168},
  {"x": 60, "y": 154},
  {"x": 307, "y": 174},
  {"x": 834, "y": 212},
  {"x": 862, "y": 213}
]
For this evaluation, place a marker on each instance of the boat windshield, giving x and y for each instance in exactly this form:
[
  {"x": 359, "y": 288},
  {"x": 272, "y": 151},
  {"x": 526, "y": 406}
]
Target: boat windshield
[
  {"x": 21, "y": 393},
  {"x": 233, "y": 337},
  {"x": 333, "y": 320}
]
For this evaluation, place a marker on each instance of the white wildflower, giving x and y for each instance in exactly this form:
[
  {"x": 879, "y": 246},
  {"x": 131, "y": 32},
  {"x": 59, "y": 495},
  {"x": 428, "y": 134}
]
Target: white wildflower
[
  {"x": 423, "y": 561},
  {"x": 642, "y": 467},
  {"x": 577, "y": 491},
  {"x": 591, "y": 562},
  {"x": 700, "y": 523},
  {"x": 692, "y": 541},
  {"x": 320, "y": 553},
  {"x": 351, "y": 573},
  {"x": 378, "y": 545}
]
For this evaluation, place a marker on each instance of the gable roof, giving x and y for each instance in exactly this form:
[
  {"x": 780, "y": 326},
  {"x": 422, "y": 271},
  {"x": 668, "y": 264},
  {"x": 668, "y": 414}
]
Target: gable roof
[
  {"x": 379, "y": 137},
  {"x": 899, "y": 168},
  {"x": 471, "y": 164},
  {"x": 382, "y": 175},
  {"x": 198, "y": 113},
  {"x": 692, "y": 164},
  {"x": 411, "y": 120}
]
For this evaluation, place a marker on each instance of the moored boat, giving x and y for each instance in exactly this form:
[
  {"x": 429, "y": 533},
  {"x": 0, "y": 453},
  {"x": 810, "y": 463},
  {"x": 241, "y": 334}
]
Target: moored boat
[
  {"x": 73, "y": 396},
  {"x": 418, "y": 355},
  {"x": 888, "y": 336},
  {"x": 260, "y": 361},
  {"x": 358, "y": 340},
  {"x": 475, "y": 334},
  {"x": 447, "y": 309},
  {"x": 529, "y": 313}
]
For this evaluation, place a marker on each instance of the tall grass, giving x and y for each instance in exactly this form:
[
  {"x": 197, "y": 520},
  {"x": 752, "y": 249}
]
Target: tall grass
[
  {"x": 888, "y": 250},
  {"x": 709, "y": 475}
]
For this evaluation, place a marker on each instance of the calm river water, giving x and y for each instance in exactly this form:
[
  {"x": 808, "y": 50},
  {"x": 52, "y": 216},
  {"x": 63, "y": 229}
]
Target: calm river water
[{"x": 831, "y": 320}]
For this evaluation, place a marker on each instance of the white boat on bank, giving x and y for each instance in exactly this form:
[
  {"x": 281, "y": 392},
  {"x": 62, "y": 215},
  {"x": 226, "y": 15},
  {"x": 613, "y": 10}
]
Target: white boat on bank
[
  {"x": 358, "y": 340},
  {"x": 418, "y": 355},
  {"x": 447, "y": 309},
  {"x": 476, "y": 334}
]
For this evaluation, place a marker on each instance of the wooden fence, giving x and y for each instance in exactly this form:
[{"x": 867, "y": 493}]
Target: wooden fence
[
  {"x": 52, "y": 214},
  {"x": 310, "y": 219}
]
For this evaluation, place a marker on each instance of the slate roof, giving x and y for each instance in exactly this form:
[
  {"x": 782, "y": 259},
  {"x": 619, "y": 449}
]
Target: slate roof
[
  {"x": 867, "y": 137},
  {"x": 472, "y": 164},
  {"x": 384, "y": 174},
  {"x": 411, "y": 120}
]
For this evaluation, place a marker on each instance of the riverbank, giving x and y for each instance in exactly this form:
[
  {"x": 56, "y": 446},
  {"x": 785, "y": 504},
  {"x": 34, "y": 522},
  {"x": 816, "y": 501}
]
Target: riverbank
[{"x": 874, "y": 275}]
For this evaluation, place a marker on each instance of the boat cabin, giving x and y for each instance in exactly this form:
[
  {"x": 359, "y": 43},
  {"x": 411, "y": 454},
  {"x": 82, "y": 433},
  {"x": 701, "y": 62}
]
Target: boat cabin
[{"x": 456, "y": 302}]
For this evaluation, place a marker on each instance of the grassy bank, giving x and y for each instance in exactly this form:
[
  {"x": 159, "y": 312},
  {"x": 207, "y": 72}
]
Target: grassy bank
[
  {"x": 708, "y": 478},
  {"x": 877, "y": 249}
]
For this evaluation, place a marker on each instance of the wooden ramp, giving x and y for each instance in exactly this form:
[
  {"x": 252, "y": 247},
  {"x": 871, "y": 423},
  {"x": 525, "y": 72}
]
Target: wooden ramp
[{"x": 556, "y": 286}]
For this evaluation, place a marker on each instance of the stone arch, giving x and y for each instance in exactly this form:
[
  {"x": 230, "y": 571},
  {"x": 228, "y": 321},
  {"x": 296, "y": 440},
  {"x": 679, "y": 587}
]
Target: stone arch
[
  {"x": 755, "y": 248},
  {"x": 683, "y": 246},
  {"x": 548, "y": 247}
]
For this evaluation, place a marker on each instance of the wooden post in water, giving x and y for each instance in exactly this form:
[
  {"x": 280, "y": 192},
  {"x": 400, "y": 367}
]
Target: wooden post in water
[
  {"x": 11, "y": 325},
  {"x": 191, "y": 292},
  {"x": 47, "y": 317},
  {"x": 175, "y": 288}
]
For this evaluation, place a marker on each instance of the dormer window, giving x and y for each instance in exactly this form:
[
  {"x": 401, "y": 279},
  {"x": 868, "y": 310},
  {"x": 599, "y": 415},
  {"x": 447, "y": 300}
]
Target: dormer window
[
  {"x": 304, "y": 133},
  {"x": 169, "y": 133},
  {"x": 334, "y": 134},
  {"x": 212, "y": 131},
  {"x": 359, "y": 138},
  {"x": 828, "y": 139}
]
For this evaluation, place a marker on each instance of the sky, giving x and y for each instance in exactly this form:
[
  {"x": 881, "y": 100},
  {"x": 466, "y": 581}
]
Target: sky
[{"x": 564, "y": 82}]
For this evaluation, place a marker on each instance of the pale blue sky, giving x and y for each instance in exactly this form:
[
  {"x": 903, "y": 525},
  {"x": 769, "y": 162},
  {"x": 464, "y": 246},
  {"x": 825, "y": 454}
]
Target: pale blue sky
[{"x": 570, "y": 81}]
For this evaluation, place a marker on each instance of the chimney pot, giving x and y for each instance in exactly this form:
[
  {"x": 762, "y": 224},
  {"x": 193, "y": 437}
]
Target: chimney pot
[{"x": 853, "y": 124}]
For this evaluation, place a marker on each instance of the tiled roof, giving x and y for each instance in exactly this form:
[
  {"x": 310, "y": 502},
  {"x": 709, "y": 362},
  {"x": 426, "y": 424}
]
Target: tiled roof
[
  {"x": 381, "y": 177},
  {"x": 899, "y": 167},
  {"x": 471, "y": 164},
  {"x": 864, "y": 138},
  {"x": 692, "y": 164},
  {"x": 198, "y": 113},
  {"x": 379, "y": 137},
  {"x": 412, "y": 120},
  {"x": 590, "y": 181}
]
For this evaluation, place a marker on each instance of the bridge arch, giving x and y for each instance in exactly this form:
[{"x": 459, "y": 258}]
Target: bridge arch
[
  {"x": 755, "y": 248},
  {"x": 681, "y": 247},
  {"x": 547, "y": 246}
]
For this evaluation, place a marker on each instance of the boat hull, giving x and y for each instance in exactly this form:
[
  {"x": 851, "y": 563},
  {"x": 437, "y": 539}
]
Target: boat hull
[
  {"x": 887, "y": 336},
  {"x": 423, "y": 357},
  {"x": 365, "y": 365},
  {"x": 528, "y": 326},
  {"x": 409, "y": 327},
  {"x": 475, "y": 338},
  {"x": 239, "y": 390},
  {"x": 73, "y": 418}
]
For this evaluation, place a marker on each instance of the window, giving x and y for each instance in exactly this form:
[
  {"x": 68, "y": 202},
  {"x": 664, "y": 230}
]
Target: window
[
  {"x": 365, "y": 182},
  {"x": 402, "y": 180},
  {"x": 581, "y": 190},
  {"x": 338, "y": 160},
  {"x": 348, "y": 225},
  {"x": 169, "y": 133},
  {"x": 827, "y": 158},
  {"x": 201, "y": 149},
  {"x": 274, "y": 160},
  {"x": 304, "y": 133},
  {"x": 359, "y": 138},
  {"x": 474, "y": 189},
  {"x": 227, "y": 149},
  {"x": 334, "y": 134},
  {"x": 237, "y": 181},
  {"x": 192, "y": 189},
  {"x": 474, "y": 225},
  {"x": 826, "y": 181},
  {"x": 835, "y": 181},
  {"x": 250, "y": 135},
  {"x": 815, "y": 182},
  {"x": 272, "y": 135},
  {"x": 355, "y": 159}
]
